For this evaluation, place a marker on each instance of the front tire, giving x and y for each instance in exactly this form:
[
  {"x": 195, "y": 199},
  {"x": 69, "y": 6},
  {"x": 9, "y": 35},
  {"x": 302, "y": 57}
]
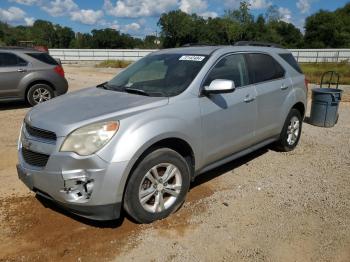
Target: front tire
[
  {"x": 39, "y": 93},
  {"x": 157, "y": 187},
  {"x": 290, "y": 135}
]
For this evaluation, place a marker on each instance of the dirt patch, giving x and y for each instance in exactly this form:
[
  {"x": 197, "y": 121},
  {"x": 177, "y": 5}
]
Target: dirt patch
[
  {"x": 34, "y": 229},
  {"x": 45, "y": 233}
]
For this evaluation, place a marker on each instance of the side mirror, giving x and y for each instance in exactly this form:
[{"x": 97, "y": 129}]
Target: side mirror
[{"x": 219, "y": 86}]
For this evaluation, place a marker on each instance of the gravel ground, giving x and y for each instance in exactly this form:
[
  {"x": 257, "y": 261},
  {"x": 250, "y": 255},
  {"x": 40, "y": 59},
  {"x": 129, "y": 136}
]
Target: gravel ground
[{"x": 267, "y": 206}]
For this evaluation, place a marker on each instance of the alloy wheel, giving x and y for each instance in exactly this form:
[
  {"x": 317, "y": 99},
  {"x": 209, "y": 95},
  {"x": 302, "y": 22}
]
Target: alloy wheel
[{"x": 160, "y": 187}]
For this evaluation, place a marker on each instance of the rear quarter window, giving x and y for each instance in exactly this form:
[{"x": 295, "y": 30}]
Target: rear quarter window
[
  {"x": 264, "y": 67},
  {"x": 289, "y": 58},
  {"x": 43, "y": 57}
]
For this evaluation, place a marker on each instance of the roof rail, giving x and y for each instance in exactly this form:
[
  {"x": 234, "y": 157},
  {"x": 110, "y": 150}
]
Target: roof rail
[
  {"x": 256, "y": 43},
  {"x": 16, "y": 48},
  {"x": 195, "y": 44}
]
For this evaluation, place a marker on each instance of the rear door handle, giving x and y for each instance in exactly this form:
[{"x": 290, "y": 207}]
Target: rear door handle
[
  {"x": 21, "y": 70},
  {"x": 284, "y": 86},
  {"x": 249, "y": 99}
]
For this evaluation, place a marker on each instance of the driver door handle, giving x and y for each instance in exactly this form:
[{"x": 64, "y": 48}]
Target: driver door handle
[
  {"x": 21, "y": 70},
  {"x": 249, "y": 99},
  {"x": 284, "y": 86}
]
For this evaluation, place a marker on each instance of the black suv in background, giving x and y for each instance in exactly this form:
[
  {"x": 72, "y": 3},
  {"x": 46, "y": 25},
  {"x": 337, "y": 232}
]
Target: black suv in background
[{"x": 30, "y": 75}]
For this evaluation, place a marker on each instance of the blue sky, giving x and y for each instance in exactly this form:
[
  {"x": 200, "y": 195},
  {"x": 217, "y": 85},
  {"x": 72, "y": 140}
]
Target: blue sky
[{"x": 139, "y": 17}]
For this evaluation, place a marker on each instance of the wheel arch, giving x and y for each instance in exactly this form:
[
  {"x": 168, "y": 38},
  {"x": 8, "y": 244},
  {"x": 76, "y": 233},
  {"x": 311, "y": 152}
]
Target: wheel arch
[
  {"x": 177, "y": 144},
  {"x": 35, "y": 82},
  {"x": 300, "y": 107}
]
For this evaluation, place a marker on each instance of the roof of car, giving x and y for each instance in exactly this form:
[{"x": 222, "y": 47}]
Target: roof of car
[
  {"x": 208, "y": 50},
  {"x": 20, "y": 49}
]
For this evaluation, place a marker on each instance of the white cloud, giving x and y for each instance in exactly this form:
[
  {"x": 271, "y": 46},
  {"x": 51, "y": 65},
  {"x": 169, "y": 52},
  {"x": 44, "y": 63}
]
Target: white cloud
[
  {"x": 12, "y": 14},
  {"x": 138, "y": 8},
  {"x": 193, "y": 6},
  {"x": 303, "y": 6},
  {"x": 259, "y": 4},
  {"x": 232, "y": 4},
  {"x": 254, "y": 4},
  {"x": 131, "y": 27},
  {"x": 285, "y": 13},
  {"x": 26, "y": 2},
  {"x": 60, "y": 7},
  {"x": 15, "y": 15},
  {"x": 29, "y": 21},
  {"x": 127, "y": 28},
  {"x": 208, "y": 14},
  {"x": 86, "y": 16}
]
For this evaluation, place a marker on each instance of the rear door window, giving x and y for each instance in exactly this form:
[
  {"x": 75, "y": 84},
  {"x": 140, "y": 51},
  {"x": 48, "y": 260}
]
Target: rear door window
[
  {"x": 43, "y": 57},
  {"x": 263, "y": 68},
  {"x": 289, "y": 58},
  {"x": 9, "y": 59}
]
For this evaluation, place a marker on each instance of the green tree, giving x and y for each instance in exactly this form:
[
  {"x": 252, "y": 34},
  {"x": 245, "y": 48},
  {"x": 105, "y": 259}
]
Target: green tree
[
  {"x": 44, "y": 33},
  {"x": 65, "y": 35},
  {"x": 178, "y": 28},
  {"x": 328, "y": 29},
  {"x": 244, "y": 18},
  {"x": 81, "y": 41}
]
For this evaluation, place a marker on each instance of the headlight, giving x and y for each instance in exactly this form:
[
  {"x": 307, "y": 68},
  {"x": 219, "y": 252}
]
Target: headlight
[{"x": 89, "y": 139}]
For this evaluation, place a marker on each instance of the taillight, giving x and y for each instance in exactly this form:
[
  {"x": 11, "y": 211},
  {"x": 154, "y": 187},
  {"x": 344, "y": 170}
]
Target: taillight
[{"x": 59, "y": 70}]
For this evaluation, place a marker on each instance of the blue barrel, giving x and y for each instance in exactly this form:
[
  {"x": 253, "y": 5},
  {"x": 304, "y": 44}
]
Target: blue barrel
[{"x": 324, "y": 107}]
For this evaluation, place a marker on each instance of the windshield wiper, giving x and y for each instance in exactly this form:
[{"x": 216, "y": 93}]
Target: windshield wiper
[
  {"x": 136, "y": 91},
  {"x": 108, "y": 86},
  {"x": 105, "y": 86}
]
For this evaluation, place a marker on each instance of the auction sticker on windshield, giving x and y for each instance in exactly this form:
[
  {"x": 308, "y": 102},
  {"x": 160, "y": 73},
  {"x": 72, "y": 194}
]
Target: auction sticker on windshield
[{"x": 192, "y": 58}]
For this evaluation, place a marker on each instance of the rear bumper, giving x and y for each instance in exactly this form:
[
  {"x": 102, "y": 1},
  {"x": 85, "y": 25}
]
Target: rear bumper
[{"x": 61, "y": 86}]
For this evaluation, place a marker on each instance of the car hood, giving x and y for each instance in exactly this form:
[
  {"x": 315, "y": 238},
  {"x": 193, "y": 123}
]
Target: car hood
[{"x": 68, "y": 112}]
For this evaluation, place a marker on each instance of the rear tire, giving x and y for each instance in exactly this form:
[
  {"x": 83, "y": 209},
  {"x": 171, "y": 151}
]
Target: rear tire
[
  {"x": 290, "y": 135},
  {"x": 158, "y": 186},
  {"x": 39, "y": 93}
]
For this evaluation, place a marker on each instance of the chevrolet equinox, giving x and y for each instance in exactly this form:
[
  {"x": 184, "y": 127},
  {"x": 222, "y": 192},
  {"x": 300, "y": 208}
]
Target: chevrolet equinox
[{"x": 137, "y": 141}]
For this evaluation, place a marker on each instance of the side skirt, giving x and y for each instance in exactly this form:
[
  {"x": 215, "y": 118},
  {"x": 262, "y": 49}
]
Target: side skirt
[{"x": 236, "y": 155}]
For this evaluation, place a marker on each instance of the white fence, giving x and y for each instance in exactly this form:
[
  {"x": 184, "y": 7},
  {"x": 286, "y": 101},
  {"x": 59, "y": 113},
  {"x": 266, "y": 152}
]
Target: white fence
[
  {"x": 95, "y": 55},
  {"x": 321, "y": 55},
  {"x": 78, "y": 55}
]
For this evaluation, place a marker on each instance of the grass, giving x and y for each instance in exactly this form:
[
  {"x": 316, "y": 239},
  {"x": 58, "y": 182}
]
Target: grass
[
  {"x": 314, "y": 71},
  {"x": 114, "y": 63}
]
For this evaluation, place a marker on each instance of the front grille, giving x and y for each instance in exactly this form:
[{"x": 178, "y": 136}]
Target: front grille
[
  {"x": 40, "y": 133},
  {"x": 34, "y": 158}
]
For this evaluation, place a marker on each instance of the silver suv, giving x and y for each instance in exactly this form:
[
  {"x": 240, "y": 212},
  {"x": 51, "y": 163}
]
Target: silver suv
[
  {"x": 30, "y": 75},
  {"x": 137, "y": 141}
]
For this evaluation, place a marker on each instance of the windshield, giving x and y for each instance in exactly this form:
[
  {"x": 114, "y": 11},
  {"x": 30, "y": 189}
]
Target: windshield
[{"x": 159, "y": 75}]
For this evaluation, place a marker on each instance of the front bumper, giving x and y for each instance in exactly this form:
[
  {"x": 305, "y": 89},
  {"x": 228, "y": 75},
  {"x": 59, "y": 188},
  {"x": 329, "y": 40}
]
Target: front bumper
[
  {"x": 87, "y": 186},
  {"x": 95, "y": 212}
]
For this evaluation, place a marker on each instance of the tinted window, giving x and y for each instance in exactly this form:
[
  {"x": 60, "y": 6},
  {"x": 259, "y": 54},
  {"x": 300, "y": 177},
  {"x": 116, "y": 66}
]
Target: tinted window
[
  {"x": 289, "y": 58},
  {"x": 43, "y": 57},
  {"x": 9, "y": 59},
  {"x": 232, "y": 67},
  {"x": 264, "y": 68}
]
